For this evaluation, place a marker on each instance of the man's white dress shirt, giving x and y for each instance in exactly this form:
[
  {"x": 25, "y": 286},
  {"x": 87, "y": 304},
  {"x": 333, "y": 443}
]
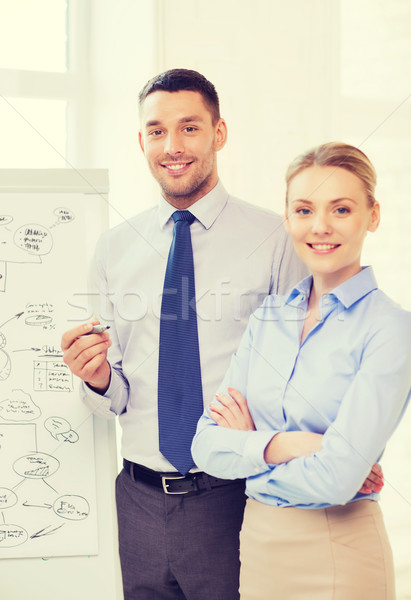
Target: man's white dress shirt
[{"x": 241, "y": 254}]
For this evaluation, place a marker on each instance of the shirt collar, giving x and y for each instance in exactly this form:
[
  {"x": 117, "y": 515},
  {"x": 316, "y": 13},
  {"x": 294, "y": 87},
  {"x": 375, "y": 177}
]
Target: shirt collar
[
  {"x": 300, "y": 292},
  {"x": 205, "y": 210},
  {"x": 347, "y": 293}
]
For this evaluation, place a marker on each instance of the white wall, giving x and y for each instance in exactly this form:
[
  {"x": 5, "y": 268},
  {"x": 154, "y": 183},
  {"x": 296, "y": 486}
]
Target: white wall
[
  {"x": 276, "y": 90},
  {"x": 123, "y": 56},
  {"x": 271, "y": 62}
]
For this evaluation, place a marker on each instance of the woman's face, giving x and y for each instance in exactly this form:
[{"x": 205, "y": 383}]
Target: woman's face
[{"x": 328, "y": 216}]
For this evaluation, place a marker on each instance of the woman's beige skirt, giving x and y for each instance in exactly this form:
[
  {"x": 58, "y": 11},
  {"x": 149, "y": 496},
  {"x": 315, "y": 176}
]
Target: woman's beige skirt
[{"x": 338, "y": 553}]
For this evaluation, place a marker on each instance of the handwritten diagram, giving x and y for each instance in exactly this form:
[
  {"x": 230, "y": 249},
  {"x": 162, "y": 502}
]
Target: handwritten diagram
[
  {"x": 33, "y": 467},
  {"x": 28, "y": 243},
  {"x": 47, "y": 470}
]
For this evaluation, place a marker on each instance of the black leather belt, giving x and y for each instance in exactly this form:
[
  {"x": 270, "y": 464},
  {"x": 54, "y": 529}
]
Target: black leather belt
[{"x": 173, "y": 483}]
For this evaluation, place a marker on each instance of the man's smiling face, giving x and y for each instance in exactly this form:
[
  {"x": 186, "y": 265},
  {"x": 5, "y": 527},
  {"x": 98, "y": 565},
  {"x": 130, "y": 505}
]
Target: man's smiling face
[{"x": 180, "y": 142}]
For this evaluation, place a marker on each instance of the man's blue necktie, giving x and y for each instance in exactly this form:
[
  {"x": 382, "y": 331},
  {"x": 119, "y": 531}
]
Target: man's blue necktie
[{"x": 180, "y": 394}]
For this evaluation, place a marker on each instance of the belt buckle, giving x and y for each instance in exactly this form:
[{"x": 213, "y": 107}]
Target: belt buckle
[{"x": 165, "y": 485}]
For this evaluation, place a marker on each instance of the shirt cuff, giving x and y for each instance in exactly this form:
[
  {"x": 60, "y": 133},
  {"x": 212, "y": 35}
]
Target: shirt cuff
[
  {"x": 98, "y": 404},
  {"x": 254, "y": 449}
]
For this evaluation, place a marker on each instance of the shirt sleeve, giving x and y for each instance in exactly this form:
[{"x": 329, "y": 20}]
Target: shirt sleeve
[
  {"x": 287, "y": 268},
  {"x": 369, "y": 413},
  {"x": 230, "y": 453},
  {"x": 116, "y": 397}
]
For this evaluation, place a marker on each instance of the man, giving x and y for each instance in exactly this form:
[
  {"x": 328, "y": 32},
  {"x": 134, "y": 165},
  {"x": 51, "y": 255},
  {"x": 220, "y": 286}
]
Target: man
[{"x": 178, "y": 528}]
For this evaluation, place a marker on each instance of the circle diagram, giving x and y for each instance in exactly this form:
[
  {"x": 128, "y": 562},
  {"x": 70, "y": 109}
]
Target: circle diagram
[{"x": 36, "y": 466}]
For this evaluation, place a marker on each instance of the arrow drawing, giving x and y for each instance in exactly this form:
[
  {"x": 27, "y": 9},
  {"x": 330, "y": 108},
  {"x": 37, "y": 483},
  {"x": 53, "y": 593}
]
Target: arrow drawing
[
  {"x": 17, "y": 316},
  {"x": 28, "y": 350},
  {"x": 37, "y": 505},
  {"x": 43, "y": 531}
]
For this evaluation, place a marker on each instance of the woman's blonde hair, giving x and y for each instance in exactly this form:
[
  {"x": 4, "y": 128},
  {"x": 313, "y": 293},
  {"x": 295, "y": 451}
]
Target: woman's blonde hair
[{"x": 337, "y": 154}]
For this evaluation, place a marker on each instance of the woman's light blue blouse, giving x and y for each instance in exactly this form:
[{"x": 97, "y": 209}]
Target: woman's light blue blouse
[{"x": 350, "y": 380}]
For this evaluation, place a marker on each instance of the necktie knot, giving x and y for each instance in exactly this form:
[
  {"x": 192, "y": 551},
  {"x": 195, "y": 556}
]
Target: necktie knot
[{"x": 183, "y": 215}]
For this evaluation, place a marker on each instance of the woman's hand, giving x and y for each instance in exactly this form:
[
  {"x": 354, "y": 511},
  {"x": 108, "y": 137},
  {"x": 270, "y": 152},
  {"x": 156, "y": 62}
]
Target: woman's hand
[
  {"x": 374, "y": 481},
  {"x": 232, "y": 411}
]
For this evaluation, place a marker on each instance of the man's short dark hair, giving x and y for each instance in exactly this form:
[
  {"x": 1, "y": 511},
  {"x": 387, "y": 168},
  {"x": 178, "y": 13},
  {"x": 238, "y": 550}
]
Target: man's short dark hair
[{"x": 176, "y": 80}]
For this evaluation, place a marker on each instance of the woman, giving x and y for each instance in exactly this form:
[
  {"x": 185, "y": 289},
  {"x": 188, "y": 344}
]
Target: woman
[{"x": 319, "y": 383}]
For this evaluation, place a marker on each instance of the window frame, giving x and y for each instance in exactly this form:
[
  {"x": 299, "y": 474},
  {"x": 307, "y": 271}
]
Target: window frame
[{"x": 72, "y": 85}]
